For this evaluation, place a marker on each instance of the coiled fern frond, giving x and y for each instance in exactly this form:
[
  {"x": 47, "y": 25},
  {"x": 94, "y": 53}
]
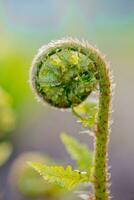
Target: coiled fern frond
[{"x": 64, "y": 73}]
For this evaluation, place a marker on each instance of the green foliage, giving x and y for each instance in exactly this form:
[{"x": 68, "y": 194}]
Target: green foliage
[
  {"x": 14, "y": 76},
  {"x": 78, "y": 152},
  {"x": 86, "y": 113},
  {"x": 7, "y": 123},
  {"x": 7, "y": 115},
  {"x": 29, "y": 182},
  {"x": 68, "y": 178},
  {"x": 32, "y": 185},
  {"x": 5, "y": 152},
  {"x": 65, "y": 178}
]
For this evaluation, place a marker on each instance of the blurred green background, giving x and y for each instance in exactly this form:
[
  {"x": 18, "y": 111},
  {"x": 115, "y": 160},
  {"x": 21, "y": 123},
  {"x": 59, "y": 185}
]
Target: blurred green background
[{"x": 24, "y": 27}]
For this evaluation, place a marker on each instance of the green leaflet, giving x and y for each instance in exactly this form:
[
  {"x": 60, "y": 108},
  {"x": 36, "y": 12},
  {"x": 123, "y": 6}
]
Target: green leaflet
[
  {"x": 29, "y": 182},
  {"x": 66, "y": 178},
  {"x": 78, "y": 152},
  {"x": 86, "y": 113}
]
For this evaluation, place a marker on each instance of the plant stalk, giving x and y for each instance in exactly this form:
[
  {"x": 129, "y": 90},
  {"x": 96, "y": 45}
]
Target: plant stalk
[{"x": 101, "y": 191}]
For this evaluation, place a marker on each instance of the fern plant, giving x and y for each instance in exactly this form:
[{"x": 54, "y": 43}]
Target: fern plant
[{"x": 63, "y": 74}]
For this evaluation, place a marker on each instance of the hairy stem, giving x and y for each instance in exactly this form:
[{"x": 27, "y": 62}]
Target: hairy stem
[{"x": 102, "y": 133}]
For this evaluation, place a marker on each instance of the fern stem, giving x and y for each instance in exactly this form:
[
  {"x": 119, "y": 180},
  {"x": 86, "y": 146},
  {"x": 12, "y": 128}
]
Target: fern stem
[{"x": 100, "y": 161}]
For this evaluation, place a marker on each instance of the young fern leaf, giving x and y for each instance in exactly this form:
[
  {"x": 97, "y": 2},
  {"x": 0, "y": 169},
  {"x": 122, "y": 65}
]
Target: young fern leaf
[
  {"x": 63, "y": 74},
  {"x": 86, "y": 114},
  {"x": 78, "y": 152},
  {"x": 65, "y": 178}
]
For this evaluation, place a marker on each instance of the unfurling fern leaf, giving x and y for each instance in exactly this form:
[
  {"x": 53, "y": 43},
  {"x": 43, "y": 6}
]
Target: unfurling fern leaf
[
  {"x": 64, "y": 73},
  {"x": 78, "y": 152},
  {"x": 66, "y": 178}
]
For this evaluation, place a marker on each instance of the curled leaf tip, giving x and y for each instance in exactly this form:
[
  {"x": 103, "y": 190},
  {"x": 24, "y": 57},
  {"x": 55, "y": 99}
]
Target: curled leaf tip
[{"x": 63, "y": 73}]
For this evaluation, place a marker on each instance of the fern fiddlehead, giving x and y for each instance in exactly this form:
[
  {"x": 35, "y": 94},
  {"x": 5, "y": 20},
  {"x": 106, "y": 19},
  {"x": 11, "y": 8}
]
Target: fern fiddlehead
[{"x": 63, "y": 74}]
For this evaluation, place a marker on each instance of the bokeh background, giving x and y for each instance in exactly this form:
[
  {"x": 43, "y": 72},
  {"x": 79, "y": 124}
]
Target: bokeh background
[{"x": 27, "y": 25}]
